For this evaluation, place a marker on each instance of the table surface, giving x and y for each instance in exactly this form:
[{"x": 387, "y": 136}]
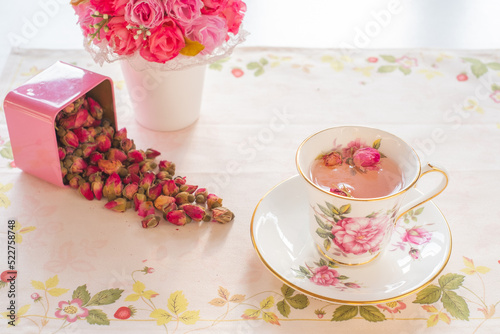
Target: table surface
[{"x": 258, "y": 106}]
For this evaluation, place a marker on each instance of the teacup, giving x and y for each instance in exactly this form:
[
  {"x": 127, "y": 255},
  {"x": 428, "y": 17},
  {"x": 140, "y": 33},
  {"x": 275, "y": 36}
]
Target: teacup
[{"x": 355, "y": 231}]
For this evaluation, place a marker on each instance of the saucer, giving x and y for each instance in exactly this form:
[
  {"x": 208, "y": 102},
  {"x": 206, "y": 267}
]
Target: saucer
[{"x": 419, "y": 250}]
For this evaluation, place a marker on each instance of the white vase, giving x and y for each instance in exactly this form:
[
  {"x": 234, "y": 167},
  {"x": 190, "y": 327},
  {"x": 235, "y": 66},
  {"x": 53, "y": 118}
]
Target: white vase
[{"x": 165, "y": 100}]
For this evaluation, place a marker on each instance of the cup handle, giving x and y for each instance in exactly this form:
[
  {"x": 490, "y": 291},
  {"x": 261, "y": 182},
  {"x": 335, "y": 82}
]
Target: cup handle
[{"x": 428, "y": 168}]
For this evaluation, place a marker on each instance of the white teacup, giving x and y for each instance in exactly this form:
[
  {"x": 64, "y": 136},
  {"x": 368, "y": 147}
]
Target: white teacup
[{"x": 354, "y": 231}]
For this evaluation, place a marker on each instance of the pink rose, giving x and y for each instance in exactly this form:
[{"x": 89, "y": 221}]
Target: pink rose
[
  {"x": 84, "y": 12},
  {"x": 120, "y": 38},
  {"x": 366, "y": 157},
  {"x": 352, "y": 147},
  {"x": 332, "y": 159},
  {"x": 210, "y": 31},
  {"x": 184, "y": 11},
  {"x": 325, "y": 276},
  {"x": 417, "y": 236},
  {"x": 103, "y": 6},
  {"x": 147, "y": 13},
  {"x": 164, "y": 43},
  {"x": 359, "y": 235},
  {"x": 213, "y": 7},
  {"x": 120, "y": 7},
  {"x": 234, "y": 13}
]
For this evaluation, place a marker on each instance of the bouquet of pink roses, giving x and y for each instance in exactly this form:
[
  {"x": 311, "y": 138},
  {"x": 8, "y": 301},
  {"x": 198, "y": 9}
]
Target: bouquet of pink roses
[{"x": 160, "y": 31}]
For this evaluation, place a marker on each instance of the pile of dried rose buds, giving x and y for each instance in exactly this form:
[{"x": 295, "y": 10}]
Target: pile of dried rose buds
[{"x": 101, "y": 162}]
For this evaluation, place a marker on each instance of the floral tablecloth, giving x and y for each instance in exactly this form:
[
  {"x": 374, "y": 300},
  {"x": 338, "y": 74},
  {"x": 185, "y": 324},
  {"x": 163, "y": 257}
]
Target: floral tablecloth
[{"x": 72, "y": 255}]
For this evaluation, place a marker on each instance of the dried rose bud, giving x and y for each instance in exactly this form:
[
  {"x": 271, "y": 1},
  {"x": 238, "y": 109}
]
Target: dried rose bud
[
  {"x": 169, "y": 207},
  {"x": 81, "y": 117},
  {"x": 79, "y": 102},
  {"x": 67, "y": 122},
  {"x": 151, "y": 153},
  {"x": 94, "y": 177},
  {"x": 167, "y": 166},
  {"x": 146, "y": 208},
  {"x": 134, "y": 168},
  {"x": 103, "y": 143},
  {"x": 150, "y": 221},
  {"x": 64, "y": 171},
  {"x": 170, "y": 188},
  {"x": 188, "y": 188},
  {"x": 86, "y": 191},
  {"x": 120, "y": 134},
  {"x": 62, "y": 152},
  {"x": 70, "y": 108},
  {"x": 195, "y": 212},
  {"x": 91, "y": 170},
  {"x": 163, "y": 200},
  {"x": 117, "y": 205},
  {"x": 88, "y": 149},
  {"x": 91, "y": 121},
  {"x": 97, "y": 188},
  {"x": 70, "y": 139},
  {"x": 147, "y": 180},
  {"x": 136, "y": 156},
  {"x": 180, "y": 180},
  {"x": 107, "y": 129},
  {"x": 109, "y": 167},
  {"x": 154, "y": 191},
  {"x": 113, "y": 187},
  {"x": 177, "y": 217},
  {"x": 74, "y": 180},
  {"x": 132, "y": 178},
  {"x": 207, "y": 218},
  {"x": 222, "y": 215},
  {"x": 78, "y": 165},
  {"x": 130, "y": 190},
  {"x": 337, "y": 191},
  {"x": 95, "y": 157},
  {"x": 147, "y": 166},
  {"x": 95, "y": 108},
  {"x": 213, "y": 201},
  {"x": 163, "y": 175},
  {"x": 127, "y": 144},
  {"x": 138, "y": 200},
  {"x": 201, "y": 195},
  {"x": 116, "y": 154},
  {"x": 332, "y": 159},
  {"x": 83, "y": 135},
  {"x": 123, "y": 172},
  {"x": 69, "y": 150},
  {"x": 184, "y": 198},
  {"x": 366, "y": 157}
]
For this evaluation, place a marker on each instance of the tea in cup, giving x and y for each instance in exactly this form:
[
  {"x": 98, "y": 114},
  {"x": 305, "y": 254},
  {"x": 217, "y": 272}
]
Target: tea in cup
[{"x": 357, "y": 178}]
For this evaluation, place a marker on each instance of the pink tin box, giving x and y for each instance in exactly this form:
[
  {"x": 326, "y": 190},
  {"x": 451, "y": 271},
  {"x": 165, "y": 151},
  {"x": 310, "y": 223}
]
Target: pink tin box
[{"x": 31, "y": 110}]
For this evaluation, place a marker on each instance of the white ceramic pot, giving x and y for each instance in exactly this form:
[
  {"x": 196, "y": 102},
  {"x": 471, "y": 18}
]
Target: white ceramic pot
[{"x": 165, "y": 100}]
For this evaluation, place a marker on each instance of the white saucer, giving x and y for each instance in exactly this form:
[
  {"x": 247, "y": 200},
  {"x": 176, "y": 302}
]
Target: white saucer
[{"x": 280, "y": 235}]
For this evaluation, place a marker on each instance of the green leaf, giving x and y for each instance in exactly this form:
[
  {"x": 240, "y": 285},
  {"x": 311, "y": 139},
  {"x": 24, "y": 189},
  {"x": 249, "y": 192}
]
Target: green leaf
[
  {"x": 286, "y": 290},
  {"x": 327, "y": 244},
  {"x": 105, "y": 297},
  {"x": 405, "y": 70},
  {"x": 345, "y": 209},
  {"x": 390, "y": 59},
  {"x": 479, "y": 69},
  {"x": 253, "y": 65},
  {"x": 376, "y": 143},
  {"x": 81, "y": 293},
  {"x": 495, "y": 87},
  {"x": 494, "y": 66},
  {"x": 263, "y": 61},
  {"x": 190, "y": 317},
  {"x": 455, "y": 304},
  {"x": 7, "y": 153},
  {"x": 177, "y": 302},
  {"x": 322, "y": 233},
  {"x": 451, "y": 281},
  {"x": 304, "y": 270},
  {"x": 322, "y": 262},
  {"x": 320, "y": 222},
  {"x": 472, "y": 60},
  {"x": 386, "y": 68},
  {"x": 299, "y": 301},
  {"x": 343, "y": 277},
  {"x": 259, "y": 72},
  {"x": 332, "y": 208},
  {"x": 429, "y": 295},
  {"x": 325, "y": 211},
  {"x": 371, "y": 313},
  {"x": 419, "y": 211},
  {"x": 344, "y": 312},
  {"x": 283, "y": 308},
  {"x": 97, "y": 317},
  {"x": 215, "y": 66}
]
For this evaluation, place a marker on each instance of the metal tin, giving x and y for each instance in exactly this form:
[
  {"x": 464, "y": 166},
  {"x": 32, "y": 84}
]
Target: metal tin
[{"x": 31, "y": 110}]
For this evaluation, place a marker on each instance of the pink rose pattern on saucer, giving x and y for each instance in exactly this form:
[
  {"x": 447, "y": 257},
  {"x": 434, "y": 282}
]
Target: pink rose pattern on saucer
[{"x": 325, "y": 273}]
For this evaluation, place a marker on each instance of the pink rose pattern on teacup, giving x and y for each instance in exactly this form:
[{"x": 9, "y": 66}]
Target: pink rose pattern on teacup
[
  {"x": 325, "y": 273},
  {"x": 359, "y": 235},
  {"x": 347, "y": 236},
  {"x": 412, "y": 237}
]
